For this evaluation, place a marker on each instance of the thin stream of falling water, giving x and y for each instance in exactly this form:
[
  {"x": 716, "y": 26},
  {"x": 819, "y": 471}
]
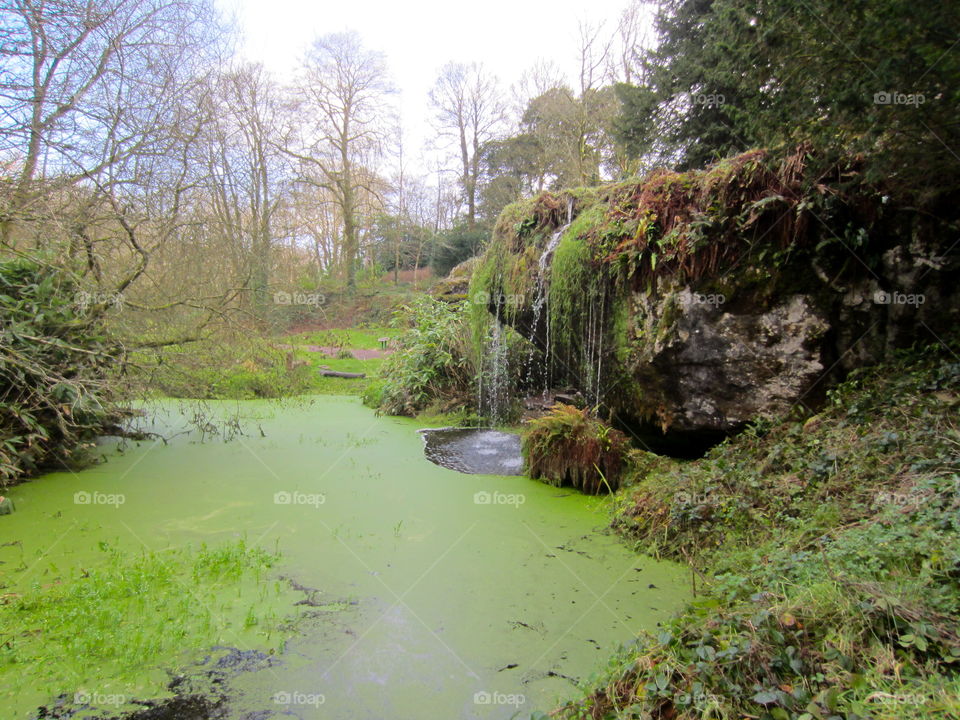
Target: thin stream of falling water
[
  {"x": 603, "y": 304},
  {"x": 540, "y": 299},
  {"x": 498, "y": 375},
  {"x": 492, "y": 383}
]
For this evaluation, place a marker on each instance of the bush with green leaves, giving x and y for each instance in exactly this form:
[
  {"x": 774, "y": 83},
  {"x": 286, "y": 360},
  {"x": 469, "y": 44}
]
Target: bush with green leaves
[
  {"x": 54, "y": 359},
  {"x": 432, "y": 362}
]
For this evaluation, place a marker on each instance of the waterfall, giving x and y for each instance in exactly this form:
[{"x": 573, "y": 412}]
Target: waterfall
[
  {"x": 494, "y": 382},
  {"x": 541, "y": 301},
  {"x": 493, "y": 386},
  {"x": 603, "y": 305},
  {"x": 541, "y": 295}
]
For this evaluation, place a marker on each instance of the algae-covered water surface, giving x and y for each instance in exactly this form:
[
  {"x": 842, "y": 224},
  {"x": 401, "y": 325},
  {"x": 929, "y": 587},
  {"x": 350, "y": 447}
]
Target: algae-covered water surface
[{"x": 418, "y": 591}]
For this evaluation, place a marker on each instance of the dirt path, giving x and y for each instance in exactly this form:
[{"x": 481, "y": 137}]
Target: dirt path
[{"x": 358, "y": 353}]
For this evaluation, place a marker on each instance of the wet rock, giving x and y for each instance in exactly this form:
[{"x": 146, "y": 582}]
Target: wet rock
[{"x": 715, "y": 367}]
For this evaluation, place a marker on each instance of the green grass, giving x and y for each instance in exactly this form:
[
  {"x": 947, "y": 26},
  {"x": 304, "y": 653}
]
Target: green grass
[
  {"x": 249, "y": 368},
  {"x": 345, "y": 339},
  {"x": 119, "y": 626},
  {"x": 827, "y": 552},
  {"x": 362, "y": 338}
]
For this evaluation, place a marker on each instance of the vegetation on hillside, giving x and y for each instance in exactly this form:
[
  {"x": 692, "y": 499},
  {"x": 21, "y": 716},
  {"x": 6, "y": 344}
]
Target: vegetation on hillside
[
  {"x": 828, "y": 558},
  {"x": 54, "y": 355},
  {"x": 432, "y": 362}
]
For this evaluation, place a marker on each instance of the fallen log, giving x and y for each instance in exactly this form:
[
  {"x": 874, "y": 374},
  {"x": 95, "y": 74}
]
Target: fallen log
[{"x": 335, "y": 373}]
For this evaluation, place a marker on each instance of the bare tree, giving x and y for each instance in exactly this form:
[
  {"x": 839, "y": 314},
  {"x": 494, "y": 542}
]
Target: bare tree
[
  {"x": 633, "y": 37},
  {"x": 245, "y": 169},
  {"x": 540, "y": 78},
  {"x": 469, "y": 111},
  {"x": 89, "y": 84},
  {"x": 343, "y": 128}
]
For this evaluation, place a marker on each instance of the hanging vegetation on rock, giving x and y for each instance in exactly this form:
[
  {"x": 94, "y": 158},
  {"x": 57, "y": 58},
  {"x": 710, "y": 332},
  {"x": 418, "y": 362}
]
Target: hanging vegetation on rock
[
  {"x": 697, "y": 301},
  {"x": 569, "y": 447}
]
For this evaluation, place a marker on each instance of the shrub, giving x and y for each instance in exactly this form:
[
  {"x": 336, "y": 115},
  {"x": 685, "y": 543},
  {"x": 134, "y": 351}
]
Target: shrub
[
  {"x": 567, "y": 446},
  {"x": 432, "y": 360},
  {"x": 54, "y": 355}
]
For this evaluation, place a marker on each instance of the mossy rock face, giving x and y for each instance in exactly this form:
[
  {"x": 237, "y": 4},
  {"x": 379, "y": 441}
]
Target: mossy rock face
[
  {"x": 700, "y": 301},
  {"x": 454, "y": 287}
]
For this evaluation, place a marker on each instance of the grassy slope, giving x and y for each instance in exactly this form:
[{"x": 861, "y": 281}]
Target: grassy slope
[{"x": 830, "y": 556}]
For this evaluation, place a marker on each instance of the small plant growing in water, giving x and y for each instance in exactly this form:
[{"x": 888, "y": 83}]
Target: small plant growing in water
[{"x": 568, "y": 446}]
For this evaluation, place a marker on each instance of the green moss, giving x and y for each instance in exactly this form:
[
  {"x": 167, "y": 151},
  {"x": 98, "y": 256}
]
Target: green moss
[{"x": 568, "y": 446}]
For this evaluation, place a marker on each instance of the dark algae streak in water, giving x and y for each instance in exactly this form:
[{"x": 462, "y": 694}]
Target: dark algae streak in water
[{"x": 201, "y": 694}]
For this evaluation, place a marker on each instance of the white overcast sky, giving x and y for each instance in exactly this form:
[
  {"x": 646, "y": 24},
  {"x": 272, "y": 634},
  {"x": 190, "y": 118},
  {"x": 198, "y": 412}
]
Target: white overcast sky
[{"x": 419, "y": 36}]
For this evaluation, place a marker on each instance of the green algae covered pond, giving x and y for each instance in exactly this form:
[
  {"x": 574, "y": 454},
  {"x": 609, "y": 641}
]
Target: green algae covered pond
[{"x": 383, "y": 586}]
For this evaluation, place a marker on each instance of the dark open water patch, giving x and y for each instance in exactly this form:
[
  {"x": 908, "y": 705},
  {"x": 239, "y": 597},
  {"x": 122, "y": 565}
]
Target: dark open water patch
[{"x": 474, "y": 451}]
